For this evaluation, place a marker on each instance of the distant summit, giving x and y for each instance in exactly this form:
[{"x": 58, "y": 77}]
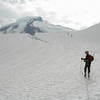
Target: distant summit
[{"x": 32, "y": 25}]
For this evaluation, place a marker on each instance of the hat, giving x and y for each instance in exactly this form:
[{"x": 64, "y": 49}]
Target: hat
[{"x": 86, "y": 52}]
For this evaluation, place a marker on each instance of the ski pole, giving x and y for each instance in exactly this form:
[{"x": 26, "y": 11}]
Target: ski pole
[{"x": 81, "y": 68}]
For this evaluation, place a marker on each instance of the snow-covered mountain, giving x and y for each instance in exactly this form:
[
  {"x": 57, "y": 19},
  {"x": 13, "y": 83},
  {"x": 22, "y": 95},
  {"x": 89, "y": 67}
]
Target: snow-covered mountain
[
  {"x": 32, "y": 25},
  {"x": 47, "y": 67},
  {"x": 91, "y": 34}
]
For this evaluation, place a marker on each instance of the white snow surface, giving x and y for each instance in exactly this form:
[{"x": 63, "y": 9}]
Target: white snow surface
[{"x": 46, "y": 67}]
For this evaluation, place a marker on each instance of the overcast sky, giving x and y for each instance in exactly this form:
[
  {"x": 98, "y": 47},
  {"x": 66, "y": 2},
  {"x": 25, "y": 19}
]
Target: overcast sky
[{"x": 71, "y": 13}]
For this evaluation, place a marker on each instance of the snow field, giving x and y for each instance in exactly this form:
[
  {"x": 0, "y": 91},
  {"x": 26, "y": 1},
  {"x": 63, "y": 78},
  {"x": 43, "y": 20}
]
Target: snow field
[{"x": 31, "y": 69}]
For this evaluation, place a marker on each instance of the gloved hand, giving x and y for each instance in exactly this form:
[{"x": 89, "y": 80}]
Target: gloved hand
[{"x": 82, "y": 58}]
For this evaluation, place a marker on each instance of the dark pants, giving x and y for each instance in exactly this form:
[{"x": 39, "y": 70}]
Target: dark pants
[{"x": 87, "y": 66}]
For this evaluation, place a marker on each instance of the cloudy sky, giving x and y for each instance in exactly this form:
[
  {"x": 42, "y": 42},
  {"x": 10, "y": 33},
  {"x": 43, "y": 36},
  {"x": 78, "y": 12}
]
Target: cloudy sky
[{"x": 76, "y": 14}]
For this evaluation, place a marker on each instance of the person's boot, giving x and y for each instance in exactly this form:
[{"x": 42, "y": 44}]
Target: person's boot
[{"x": 88, "y": 75}]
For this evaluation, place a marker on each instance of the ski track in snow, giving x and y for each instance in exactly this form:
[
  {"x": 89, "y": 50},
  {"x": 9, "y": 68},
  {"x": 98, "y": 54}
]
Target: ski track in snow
[{"x": 34, "y": 70}]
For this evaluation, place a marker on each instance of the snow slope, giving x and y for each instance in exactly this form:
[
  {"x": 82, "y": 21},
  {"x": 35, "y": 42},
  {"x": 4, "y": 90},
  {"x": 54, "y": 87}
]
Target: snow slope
[
  {"x": 91, "y": 34},
  {"x": 46, "y": 66}
]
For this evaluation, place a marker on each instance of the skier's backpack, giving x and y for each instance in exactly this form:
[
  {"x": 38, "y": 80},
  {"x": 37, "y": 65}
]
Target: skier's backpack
[{"x": 91, "y": 58}]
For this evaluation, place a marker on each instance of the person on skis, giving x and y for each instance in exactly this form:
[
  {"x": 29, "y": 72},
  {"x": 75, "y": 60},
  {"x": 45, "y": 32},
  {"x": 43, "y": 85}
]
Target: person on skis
[{"x": 88, "y": 59}]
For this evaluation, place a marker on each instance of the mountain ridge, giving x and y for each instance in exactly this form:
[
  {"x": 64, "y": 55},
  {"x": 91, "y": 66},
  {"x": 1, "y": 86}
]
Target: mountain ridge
[{"x": 32, "y": 25}]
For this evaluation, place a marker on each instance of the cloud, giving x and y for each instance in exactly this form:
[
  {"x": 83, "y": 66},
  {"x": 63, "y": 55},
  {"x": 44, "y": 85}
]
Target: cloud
[
  {"x": 48, "y": 15},
  {"x": 10, "y": 10},
  {"x": 6, "y": 11},
  {"x": 7, "y": 14},
  {"x": 70, "y": 13}
]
